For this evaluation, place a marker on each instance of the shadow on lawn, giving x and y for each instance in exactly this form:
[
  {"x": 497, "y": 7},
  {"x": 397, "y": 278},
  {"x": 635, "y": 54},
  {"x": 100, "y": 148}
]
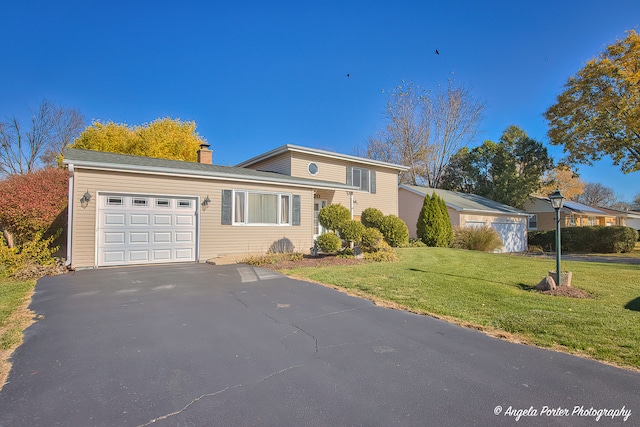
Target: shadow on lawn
[
  {"x": 467, "y": 277},
  {"x": 634, "y": 304}
]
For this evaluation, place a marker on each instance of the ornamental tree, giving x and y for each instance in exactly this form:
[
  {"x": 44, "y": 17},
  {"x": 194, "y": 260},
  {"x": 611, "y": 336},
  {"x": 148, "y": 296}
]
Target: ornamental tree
[{"x": 31, "y": 203}]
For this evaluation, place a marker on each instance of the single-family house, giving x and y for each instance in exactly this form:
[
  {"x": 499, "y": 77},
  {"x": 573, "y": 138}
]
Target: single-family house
[
  {"x": 467, "y": 210},
  {"x": 632, "y": 219},
  {"x": 127, "y": 209},
  {"x": 572, "y": 214}
]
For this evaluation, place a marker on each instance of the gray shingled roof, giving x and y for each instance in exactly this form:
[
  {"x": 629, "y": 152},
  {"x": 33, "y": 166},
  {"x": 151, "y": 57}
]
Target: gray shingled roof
[
  {"x": 465, "y": 201},
  {"x": 140, "y": 164}
]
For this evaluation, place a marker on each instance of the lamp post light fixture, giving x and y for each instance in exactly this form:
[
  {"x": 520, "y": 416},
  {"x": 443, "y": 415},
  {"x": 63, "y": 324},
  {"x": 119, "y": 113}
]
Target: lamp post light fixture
[
  {"x": 557, "y": 201},
  {"x": 84, "y": 201}
]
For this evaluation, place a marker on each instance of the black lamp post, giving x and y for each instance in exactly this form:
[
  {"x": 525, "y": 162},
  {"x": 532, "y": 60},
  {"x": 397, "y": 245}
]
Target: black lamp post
[{"x": 557, "y": 200}]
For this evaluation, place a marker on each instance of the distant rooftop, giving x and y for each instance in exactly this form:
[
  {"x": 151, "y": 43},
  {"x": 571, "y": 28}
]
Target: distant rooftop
[{"x": 465, "y": 201}]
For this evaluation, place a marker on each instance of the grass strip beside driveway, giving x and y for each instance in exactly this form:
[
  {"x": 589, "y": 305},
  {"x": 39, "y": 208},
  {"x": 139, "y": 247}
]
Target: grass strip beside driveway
[
  {"x": 493, "y": 292},
  {"x": 15, "y": 297}
]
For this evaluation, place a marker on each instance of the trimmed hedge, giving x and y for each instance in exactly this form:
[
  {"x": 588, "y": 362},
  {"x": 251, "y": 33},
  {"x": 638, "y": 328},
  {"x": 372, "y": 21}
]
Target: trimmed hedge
[
  {"x": 592, "y": 239},
  {"x": 395, "y": 231},
  {"x": 329, "y": 243},
  {"x": 372, "y": 218}
]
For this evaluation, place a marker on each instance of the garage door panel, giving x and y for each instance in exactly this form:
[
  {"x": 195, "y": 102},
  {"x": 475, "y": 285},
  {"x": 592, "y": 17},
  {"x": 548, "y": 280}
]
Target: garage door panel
[
  {"x": 184, "y": 220},
  {"x": 184, "y": 254},
  {"x": 113, "y": 218},
  {"x": 160, "y": 255},
  {"x": 139, "y": 219},
  {"x": 138, "y": 237},
  {"x": 162, "y": 229},
  {"x": 184, "y": 237},
  {"x": 161, "y": 219},
  {"x": 113, "y": 257},
  {"x": 138, "y": 255},
  {"x": 162, "y": 237},
  {"x": 111, "y": 238}
]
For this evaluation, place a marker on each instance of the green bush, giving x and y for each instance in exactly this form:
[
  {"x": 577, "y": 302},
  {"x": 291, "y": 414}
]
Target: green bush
[
  {"x": 329, "y": 242},
  {"x": 434, "y": 225},
  {"x": 38, "y": 251},
  {"x": 484, "y": 239},
  {"x": 372, "y": 218},
  {"x": 593, "y": 239},
  {"x": 394, "y": 231},
  {"x": 352, "y": 231},
  {"x": 372, "y": 240},
  {"x": 416, "y": 243},
  {"x": 331, "y": 217},
  {"x": 382, "y": 256}
]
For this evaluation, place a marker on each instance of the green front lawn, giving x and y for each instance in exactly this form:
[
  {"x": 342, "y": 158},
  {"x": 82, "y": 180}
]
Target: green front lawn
[
  {"x": 493, "y": 292},
  {"x": 14, "y": 318}
]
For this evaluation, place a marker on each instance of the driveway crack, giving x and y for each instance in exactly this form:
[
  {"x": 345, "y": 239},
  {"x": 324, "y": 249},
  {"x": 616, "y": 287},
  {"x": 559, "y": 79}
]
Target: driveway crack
[{"x": 164, "y": 417}]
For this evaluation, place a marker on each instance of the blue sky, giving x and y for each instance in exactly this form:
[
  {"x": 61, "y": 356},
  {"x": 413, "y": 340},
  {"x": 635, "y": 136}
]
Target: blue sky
[{"x": 256, "y": 75}]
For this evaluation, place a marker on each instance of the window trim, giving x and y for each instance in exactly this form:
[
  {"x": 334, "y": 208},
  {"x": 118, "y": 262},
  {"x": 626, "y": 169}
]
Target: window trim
[{"x": 245, "y": 214}]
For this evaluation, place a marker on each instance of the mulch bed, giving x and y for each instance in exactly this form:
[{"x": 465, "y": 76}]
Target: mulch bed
[
  {"x": 309, "y": 261},
  {"x": 568, "y": 291}
]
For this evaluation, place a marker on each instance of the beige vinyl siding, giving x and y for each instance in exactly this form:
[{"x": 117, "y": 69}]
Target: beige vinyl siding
[
  {"x": 214, "y": 239},
  {"x": 385, "y": 198},
  {"x": 280, "y": 164}
]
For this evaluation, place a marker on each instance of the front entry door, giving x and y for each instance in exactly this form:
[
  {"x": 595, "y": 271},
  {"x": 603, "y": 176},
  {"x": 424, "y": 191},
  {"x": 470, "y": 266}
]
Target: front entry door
[{"x": 317, "y": 228}]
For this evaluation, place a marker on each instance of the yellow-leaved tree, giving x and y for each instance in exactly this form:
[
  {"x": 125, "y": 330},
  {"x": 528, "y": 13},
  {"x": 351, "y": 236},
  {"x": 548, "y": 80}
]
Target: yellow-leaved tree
[
  {"x": 561, "y": 178},
  {"x": 164, "y": 138}
]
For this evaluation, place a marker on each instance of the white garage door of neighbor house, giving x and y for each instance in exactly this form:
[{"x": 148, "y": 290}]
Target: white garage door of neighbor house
[
  {"x": 512, "y": 235},
  {"x": 142, "y": 229}
]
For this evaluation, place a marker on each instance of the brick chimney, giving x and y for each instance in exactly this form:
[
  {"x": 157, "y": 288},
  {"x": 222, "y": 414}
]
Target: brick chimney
[{"x": 204, "y": 154}]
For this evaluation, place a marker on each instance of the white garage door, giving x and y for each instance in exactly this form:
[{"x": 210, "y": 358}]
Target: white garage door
[
  {"x": 142, "y": 229},
  {"x": 512, "y": 235}
]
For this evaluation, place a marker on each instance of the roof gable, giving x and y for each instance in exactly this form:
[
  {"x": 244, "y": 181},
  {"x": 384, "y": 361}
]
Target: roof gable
[{"x": 321, "y": 153}]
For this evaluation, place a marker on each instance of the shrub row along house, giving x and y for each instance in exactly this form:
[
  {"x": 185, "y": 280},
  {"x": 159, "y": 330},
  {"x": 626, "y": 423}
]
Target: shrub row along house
[{"x": 137, "y": 210}]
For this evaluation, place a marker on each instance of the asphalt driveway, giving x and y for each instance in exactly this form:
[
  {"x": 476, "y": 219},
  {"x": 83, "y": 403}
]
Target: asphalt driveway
[{"x": 196, "y": 345}]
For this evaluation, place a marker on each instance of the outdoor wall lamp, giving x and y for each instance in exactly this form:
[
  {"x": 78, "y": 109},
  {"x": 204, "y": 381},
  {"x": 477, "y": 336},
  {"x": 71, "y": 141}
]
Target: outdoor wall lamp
[
  {"x": 205, "y": 203},
  {"x": 557, "y": 201},
  {"x": 84, "y": 201}
]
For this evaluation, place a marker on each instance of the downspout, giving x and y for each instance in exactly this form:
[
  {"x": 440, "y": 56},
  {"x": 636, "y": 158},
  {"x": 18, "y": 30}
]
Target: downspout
[
  {"x": 350, "y": 193},
  {"x": 70, "y": 216}
]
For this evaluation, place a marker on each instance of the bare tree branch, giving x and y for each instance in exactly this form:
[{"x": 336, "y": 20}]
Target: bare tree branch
[{"x": 51, "y": 129}]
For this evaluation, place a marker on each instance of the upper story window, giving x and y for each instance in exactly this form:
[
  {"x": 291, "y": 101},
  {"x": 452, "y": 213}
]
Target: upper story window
[
  {"x": 364, "y": 179},
  {"x": 313, "y": 168}
]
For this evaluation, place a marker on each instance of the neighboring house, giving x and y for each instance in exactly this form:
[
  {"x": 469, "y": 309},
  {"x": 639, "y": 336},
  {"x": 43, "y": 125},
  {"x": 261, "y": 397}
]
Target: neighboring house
[
  {"x": 633, "y": 219},
  {"x": 622, "y": 217},
  {"x": 467, "y": 210},
  {"x": 572, "y": 214},
  {"x": 136, "y": 210}
]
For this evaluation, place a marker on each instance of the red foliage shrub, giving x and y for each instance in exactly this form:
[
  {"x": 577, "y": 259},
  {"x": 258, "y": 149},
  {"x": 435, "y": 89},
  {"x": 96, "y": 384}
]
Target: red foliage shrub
[{"x": 30, "y": 203}]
